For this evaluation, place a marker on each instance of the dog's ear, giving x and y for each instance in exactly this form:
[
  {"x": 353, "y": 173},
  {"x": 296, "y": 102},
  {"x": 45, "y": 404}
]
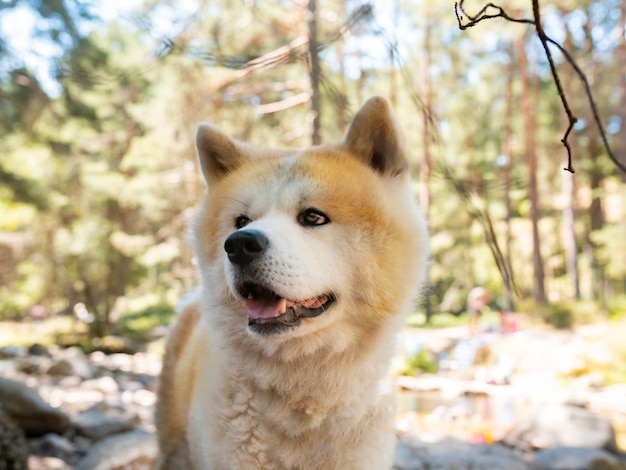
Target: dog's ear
[
  {"x": 375, "y": 138},
  {"x": 218, "y": 153}
]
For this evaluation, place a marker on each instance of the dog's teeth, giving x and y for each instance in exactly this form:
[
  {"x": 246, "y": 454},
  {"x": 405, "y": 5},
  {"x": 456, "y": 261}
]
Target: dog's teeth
[{"x": 283, "y": 306}]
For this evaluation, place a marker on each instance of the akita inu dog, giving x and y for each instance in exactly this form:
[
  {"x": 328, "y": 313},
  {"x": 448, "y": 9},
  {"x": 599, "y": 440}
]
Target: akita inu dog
[{"x": 309, "y": 260}]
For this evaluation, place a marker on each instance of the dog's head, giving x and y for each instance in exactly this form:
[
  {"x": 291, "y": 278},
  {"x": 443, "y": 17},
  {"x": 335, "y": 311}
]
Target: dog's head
[{"x": 324, "y": 243}]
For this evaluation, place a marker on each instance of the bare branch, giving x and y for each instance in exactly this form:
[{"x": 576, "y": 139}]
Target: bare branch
[
  {"x": 282, "y": 105},
  {"x": 490, "y": 11}
]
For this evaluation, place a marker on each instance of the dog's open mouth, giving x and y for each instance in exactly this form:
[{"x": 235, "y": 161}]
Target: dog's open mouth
[{"x": 265, "y": 307}]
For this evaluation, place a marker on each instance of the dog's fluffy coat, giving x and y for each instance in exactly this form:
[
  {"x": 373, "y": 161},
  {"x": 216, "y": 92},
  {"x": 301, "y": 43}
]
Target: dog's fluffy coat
[{"x": 280, "y": 360}]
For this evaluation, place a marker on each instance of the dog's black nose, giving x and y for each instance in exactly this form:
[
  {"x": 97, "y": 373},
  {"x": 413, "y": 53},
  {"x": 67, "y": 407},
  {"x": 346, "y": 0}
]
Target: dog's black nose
[{"x": 244, "y": 246}]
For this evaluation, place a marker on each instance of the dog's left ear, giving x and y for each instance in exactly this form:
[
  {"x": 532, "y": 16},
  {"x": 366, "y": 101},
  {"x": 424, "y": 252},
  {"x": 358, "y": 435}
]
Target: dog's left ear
[
  {"x": 218, "y": 153},
  {"x": 375, "y": 138}
]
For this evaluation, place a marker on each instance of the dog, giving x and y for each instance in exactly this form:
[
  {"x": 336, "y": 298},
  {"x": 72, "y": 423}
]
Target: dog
[{"x": 309, "y": 260}]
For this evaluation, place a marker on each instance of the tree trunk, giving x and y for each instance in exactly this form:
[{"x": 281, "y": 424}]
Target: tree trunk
[
  {"x": 507, "y": 151},
  {"x": 620, "y": 137},
  {"x": 393, "y": 49},
  {"x": 528, "y": 117},
  {"x": 425, "y": 168},
  {"x": 314, "y": 71},
  {"x": 596, "y": 216},
  {"x": 568, "y": 189}
]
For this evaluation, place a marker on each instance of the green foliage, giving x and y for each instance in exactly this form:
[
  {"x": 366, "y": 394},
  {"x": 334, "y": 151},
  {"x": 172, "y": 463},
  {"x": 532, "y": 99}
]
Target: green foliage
[
  {"x": 138, "y": 325},
  {"x": 96, "y": 183},
  {"x": 439, "y": 320},
  {"x": 566, "y": 315},
  {"x": 26, "y": 334},
  {"x": 617, "y": 308},
  {"x": 422, "y": 362}
]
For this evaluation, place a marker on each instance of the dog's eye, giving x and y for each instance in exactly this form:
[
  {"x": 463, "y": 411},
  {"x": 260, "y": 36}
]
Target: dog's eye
[
  {"x": 241, "y": 221},
  {"x": 312, "y": 217}
]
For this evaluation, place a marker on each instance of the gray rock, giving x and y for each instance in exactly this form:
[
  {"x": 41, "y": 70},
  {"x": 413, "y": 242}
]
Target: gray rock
[
  {"x": 576, "y": 458},
  {"x": 13, "y": 446},
  {"x": 96, "y": 424},
  {"x": 52, "y": 445},
  {"x": 11, "y": 352},
  {"x": 71, "y": 361},
  {"x": 137, "y": 450},
  {"x": 455, "y": 455},
  {"x": 38, "y": 350},
  {"x": 563, "y": 425},
  {"x": 105, "y": 384},
  {"x": 29, "y": 411}
]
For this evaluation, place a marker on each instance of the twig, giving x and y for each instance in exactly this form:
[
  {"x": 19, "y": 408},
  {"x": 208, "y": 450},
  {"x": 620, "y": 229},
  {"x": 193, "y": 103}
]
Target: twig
[{"x": 484, "y": 14}]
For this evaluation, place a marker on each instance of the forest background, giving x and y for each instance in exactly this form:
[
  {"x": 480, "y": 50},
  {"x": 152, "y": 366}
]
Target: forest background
[{"x": 99, "y": 103}]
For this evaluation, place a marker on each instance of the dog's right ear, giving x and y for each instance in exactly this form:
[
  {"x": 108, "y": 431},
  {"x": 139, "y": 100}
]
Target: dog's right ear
[{"x": 218, "y": 153}]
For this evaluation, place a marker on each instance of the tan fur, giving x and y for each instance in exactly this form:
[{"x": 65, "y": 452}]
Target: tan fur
[{"x": 315, "y": 396}]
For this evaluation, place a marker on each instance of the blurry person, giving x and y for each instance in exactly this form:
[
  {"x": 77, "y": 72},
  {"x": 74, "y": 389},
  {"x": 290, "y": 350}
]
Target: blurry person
[{"x": 476, "y": 301}]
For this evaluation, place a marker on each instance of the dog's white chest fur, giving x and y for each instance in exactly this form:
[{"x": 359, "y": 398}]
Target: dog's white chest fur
[{"x": 250, "y": 423}]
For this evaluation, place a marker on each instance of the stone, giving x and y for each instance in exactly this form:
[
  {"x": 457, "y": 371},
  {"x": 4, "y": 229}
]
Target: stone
[
  {"x": 136, "y": 449},
  {"x": 563, "y": 425},
  {"x": 11, "y": 352},
  {"x": 106, "y": 385},
  {"x": 96, "y": 424},
  {"x": 37, "y": 462},
  {"x": 71, "y": 361},
  {"x": 38, "y": 350},
  {"x": 13, "y": 446},
  {"x": 25, "y": 407},
  {"x": 576, "y": 458},
  {"x": 450, "y": 454},
  {"x": 52, "y": 445}
]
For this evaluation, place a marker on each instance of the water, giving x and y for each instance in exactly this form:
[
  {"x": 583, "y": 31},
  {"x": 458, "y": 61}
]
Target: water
[
  {"x": 479, "y": 418},
  {"x": 474, "y": 418}
]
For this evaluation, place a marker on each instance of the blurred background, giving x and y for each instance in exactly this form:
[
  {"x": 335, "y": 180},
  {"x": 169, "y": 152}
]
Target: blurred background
[{"x": 98, "y": 178}]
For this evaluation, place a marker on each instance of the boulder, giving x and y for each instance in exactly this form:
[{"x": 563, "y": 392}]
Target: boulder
[
  {"x": 13, "y": 446},
  {"x": 71, "y": 361},
  {"x": 96, "y": 424},
  {"x": 136, "y": 449},
  {"x": 576, "y": 458},
  {"x": 38, "y": 350},
  {"x": 37, "y": 462},
  {"x": 563, "y": 425},
  {"x": 451, "y": 455},
  {"x": 11, "y": 352},
  {"x": 29, "y": 411},
  {"x": 106, "y": 385},
  {"x": 52, "y": 445}
]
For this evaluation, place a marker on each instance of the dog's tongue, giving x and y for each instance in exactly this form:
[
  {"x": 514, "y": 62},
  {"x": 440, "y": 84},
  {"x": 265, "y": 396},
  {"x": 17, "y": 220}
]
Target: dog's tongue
[{"x": 265, "y": 309}]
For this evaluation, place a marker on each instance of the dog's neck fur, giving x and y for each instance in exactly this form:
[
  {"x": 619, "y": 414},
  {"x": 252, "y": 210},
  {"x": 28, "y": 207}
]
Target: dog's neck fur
[{"x": 327, "y": 381}]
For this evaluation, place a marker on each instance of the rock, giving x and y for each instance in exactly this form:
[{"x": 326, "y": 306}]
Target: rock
[
  {"x": 11, "y": 352},
  {"x": 29, "y": 411},
  {"x": 13, "y": 446},
  {"x": 137, "y": 450},
  {"x": 144, "y": 397},
  {"x": 52, "y": 445},
  {"x": 72, "y": 361},
  {"x": 37, "y": 462},
  {"x": 38, "y": 350},
  {"x": 576, "y": 458},
  {"x": 97, "y": 424},
  {"x": 455, "y": 455},
  {"x": 106, "y": 385},
  {"x": 563, "y": 425}
]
